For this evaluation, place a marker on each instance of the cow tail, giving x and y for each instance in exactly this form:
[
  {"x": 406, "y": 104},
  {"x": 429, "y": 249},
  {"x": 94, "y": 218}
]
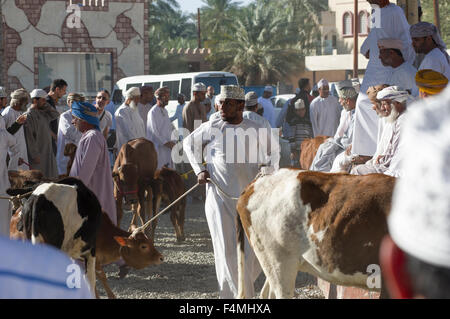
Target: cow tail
[{"x": 240, "y": 257}]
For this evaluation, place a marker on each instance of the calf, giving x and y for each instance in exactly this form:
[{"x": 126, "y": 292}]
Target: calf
[
  {"x": 112, "y": 243},
  {"x": 133, "y": 176},
  {"x": 309, "y": 149},
  {"x": 169, "y": 186},
  {"x": 20, "y": 180},
  {"x": 328, "y": 225},
  {"x": 65, "y": 215}
]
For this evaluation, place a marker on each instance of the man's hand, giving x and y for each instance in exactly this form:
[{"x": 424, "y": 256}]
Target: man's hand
[
  {"x": 170, "y": 144},
  {"x": 379, "y": 159},
  {"x": 20, "y": 161},
  {"x": 22, "y": 119},
  {"x": 202, "y": 177}
]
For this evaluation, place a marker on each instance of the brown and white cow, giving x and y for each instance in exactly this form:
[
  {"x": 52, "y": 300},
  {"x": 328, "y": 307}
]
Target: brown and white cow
[
  {"x": 328, "y": 225},
  {"x": 133, "y": 175},
  {"x": 309, "y": 149},
  {"x": 111, "y": 242},
  {"x": 169, "y": 186}
]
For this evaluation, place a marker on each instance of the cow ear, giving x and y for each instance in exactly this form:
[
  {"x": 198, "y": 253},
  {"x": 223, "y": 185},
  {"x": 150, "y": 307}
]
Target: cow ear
[{"x": 122, "y": 241}]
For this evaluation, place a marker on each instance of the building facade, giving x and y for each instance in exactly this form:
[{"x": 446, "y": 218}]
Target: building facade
[{"x": 90, "y": 44}]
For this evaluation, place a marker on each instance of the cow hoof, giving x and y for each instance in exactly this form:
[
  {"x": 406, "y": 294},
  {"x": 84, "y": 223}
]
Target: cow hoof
[{"x": 123, "y": 271}]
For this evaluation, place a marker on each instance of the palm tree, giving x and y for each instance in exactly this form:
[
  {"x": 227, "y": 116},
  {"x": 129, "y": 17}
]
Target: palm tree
[
  {"x": 217, "y": 18},
  {"x": 263, "y": 48}
]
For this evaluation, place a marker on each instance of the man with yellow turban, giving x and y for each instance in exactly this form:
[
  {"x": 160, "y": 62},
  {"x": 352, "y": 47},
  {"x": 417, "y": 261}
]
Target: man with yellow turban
[{"x": 430, "y": 82}]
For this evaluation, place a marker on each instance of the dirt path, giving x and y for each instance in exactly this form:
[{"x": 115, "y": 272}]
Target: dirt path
[{"x": 188, "y": 270}]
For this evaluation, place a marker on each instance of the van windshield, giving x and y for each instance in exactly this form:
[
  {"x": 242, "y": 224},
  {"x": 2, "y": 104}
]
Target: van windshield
[{"x": 216, "y": 82}]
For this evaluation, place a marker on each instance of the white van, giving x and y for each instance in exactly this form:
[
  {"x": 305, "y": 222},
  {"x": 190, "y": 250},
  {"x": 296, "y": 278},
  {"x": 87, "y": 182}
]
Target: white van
[{"x": 177, "y": 83}]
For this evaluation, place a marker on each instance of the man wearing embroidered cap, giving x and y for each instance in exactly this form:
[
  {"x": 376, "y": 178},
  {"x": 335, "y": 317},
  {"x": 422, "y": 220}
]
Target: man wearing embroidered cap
[
  {"x": 395, "y": 100},
  {"x": 269, "y": 111},
  {"x": 415, "y": 257},
  {"x": 129, "y": 123},
  {"x": 404, "y": 72},
  {"x": 426, "y": 40},
  {"x": 195, "y": 111},
  {"x": 325, "y": 111},
  {"x": 159, "y": 129},
  {"x": 430, "y": 82},
  {"x": 91, "y": 163},
  {"x": 14, "y": 119},
  {"x": 38, "y": 134},
  {"x": 330, "y": 149},
  {"x": 234, "y": 150}
]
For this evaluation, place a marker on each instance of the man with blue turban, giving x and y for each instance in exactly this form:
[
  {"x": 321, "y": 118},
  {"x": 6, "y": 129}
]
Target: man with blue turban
[{"x": 91, "y": 163}]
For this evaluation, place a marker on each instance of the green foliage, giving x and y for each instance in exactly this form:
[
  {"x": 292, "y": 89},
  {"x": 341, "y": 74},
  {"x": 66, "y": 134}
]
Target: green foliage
[
  {"x": 262, "y": 43},
  {"x": 444, "y": 14}
]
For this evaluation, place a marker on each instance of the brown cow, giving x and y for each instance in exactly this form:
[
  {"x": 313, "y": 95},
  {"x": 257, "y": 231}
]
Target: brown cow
[
  {"x": 133, "y": 176},
  {"x": 70, "y": 150},
  {"x": 136, "y": 250},
  {"x": 169, "y": 187},
  {"x": 328, "y": 225},
  {"x": 23, "y": 179},
  {"x": 309, "y": 149}
]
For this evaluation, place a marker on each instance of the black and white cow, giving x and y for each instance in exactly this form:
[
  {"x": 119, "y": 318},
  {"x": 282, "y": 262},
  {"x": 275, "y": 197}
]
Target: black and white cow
[{"x": 67, "y": 215}]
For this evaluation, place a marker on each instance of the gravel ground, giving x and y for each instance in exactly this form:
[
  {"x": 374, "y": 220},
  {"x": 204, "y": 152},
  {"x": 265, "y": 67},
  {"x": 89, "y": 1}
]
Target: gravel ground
[{"x": 188, "y": 270}]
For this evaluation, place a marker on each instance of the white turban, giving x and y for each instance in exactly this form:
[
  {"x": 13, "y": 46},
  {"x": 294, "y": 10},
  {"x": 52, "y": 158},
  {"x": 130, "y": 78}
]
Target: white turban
[
  {"x": 424, "y": 29},
  {"x": 346, "y": 89},
  {"x": 19, "y": 94},
  {"x": 390, "y": 44},
  {"x": 419, "y": 222},
  {"x": 321, "y": 83},
  {"x": 394, "y": 93},
  {"x": 132, "y": 92}
]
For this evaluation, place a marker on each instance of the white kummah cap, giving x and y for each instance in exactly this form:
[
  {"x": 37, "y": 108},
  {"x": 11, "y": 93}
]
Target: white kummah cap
[
  {"x": 321, "y": 83},
  {"x": 199, "y": 87},
  {"x": 38, "y": 93},
  {"x": 251, "y": 99},
  {"x": 132, "y": 92},
  {"x": 299, "y": 104},
  {"x": 390, "y": 44},
  {"x": 3, "y": 92},
  {"x": 268, "y": 88},
  {"x": 394, "y": 93},
  {"x": 419, "y": 222},
  {"x": 233, "y": 92}
]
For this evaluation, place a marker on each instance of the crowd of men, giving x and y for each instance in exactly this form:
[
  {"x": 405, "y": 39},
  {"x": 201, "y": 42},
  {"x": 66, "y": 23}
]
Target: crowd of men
[{"x": 364, "y": 123}]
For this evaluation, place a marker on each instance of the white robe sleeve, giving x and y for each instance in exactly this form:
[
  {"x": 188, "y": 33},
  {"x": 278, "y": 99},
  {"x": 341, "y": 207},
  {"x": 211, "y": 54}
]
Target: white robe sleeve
[{"x": 193, "y": 146}]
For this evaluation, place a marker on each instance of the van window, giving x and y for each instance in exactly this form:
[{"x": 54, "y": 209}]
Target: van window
[
  {"x": 217, "y": 81},
  {"x": 133, "y": 85},
  {"x": 154, "y": 85},
  {"x": 186, "y": 86},
  {"x": 174, "y": 87}
]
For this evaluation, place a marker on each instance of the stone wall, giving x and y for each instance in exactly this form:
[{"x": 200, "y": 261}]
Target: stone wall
[{"x": 32, "y": 27}]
